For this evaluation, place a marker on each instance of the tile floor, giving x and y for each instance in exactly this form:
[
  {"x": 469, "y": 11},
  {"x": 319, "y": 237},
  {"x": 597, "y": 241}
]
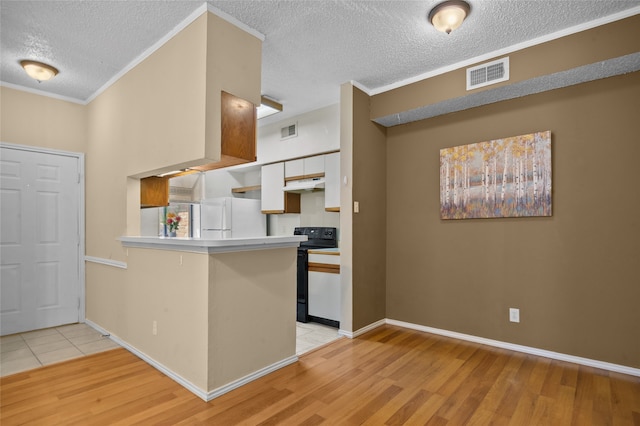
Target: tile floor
[
  {"x": 20, "y": 352},
  {"x": 25, "y": 351},
  {"x": 311, "y": 335}
]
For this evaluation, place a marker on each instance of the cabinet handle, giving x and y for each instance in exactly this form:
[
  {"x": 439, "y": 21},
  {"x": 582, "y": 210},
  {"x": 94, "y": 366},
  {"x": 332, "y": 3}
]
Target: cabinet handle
[{"x": 324, "y": 267}]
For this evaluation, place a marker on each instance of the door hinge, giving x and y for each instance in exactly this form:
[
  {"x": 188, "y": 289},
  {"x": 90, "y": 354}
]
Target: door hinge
[{"x": 78, "y": 178}]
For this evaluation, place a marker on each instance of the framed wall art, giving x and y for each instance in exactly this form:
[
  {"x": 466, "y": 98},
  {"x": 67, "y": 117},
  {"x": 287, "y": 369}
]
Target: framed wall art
[{"x": 508, "y": 177}]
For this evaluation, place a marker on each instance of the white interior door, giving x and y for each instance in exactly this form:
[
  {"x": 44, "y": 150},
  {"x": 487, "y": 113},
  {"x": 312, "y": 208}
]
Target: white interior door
[{"x": 39, "y": 240}]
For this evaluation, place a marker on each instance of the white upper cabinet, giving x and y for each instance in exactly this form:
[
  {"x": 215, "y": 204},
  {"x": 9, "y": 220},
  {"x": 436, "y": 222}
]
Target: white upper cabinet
[
  {"x": 314, "y": 165},
  {"x": 309, "y": 166},
  {"x": 272, "y": 181},
  {"x": 274, "y": 199},
  {"x": 293, "y": 168},
  {"x": 332, "y": 182}
]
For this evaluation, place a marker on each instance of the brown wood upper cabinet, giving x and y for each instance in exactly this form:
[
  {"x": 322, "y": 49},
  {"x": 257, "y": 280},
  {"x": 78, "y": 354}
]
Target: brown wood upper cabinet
[
  {"x": 238, "y": 133},
  {"x": 237, "y": 146},
  {"x": 154, "y": 192}
]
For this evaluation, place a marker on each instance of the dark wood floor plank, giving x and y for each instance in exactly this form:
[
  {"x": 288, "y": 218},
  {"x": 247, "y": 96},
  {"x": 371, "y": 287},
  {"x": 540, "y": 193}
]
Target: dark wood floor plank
[{"x": 388, "y": 376}]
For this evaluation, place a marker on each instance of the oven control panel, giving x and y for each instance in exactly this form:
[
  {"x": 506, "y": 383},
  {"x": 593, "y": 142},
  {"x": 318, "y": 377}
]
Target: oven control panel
[{"x": 318, "y": 235}]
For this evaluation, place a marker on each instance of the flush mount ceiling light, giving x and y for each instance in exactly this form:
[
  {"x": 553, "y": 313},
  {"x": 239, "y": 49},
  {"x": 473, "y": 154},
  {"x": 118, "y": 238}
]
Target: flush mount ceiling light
[
  {"x": 448, "y": 15},
  {"x": 268, "y": 107},
  {"x": 38, "y": 70}
]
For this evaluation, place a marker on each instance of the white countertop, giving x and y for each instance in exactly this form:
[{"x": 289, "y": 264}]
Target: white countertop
[{"x": 225, "y": 245}]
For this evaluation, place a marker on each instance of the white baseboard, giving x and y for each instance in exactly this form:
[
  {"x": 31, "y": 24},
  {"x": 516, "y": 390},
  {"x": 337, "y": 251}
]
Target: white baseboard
[
  {"x": 206, "y": 396},
  {"x": 363, "y": 330},
  {"x": 251, "y": 377},
  {"x": 158, "y": 366},
  {"x": 520, "y": 348}
]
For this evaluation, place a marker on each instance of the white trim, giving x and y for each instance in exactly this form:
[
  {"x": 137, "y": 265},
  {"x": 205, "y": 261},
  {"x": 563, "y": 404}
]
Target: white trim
[
  {"x": 251, "y": 377},
  {"x": 81, "y": 216},
  {"x": 202, "y": 394},
  {"x": 363, "y": 330},
  {"x": 144, "y": 55},
  {"x": 42, "y": 150},
  {"x": 108, "y": 262},
  {"x": 41, "y": 93},
  {"x": 234, "y": 21},
  {"x": 520, "y": 348},
  {"x": 81, "y": 240},
  {"x": 205, "y": 7},
  {"x": 360, "y": 86},
  {"x": 507, "y": 50}
]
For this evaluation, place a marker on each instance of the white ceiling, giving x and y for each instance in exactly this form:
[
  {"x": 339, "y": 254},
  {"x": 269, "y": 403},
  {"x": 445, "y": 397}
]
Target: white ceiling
[{"x": 311, "y": 47}]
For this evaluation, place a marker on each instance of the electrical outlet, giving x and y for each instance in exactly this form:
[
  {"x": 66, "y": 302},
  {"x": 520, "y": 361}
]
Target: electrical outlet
[
  {"x": 514, "y": 314},
  {"x": 356, "y": 207},
  {"x": 154, "y": 328}
]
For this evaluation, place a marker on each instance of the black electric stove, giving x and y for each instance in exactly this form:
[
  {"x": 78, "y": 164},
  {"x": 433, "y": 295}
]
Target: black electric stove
[{"x": 318, "y": 238}]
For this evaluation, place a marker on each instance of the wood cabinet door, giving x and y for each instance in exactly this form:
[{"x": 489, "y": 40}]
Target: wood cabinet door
[{"x": 154, "y": 192}]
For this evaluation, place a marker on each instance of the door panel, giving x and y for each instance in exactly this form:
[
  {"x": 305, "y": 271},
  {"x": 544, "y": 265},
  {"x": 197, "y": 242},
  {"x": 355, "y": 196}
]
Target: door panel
[{"x": 39, "y": 247}]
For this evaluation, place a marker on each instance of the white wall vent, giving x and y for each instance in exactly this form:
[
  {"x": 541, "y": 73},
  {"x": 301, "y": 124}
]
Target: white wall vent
[
  {"x": 290, "y": 131},
  {"x": 488, "y": 73}
]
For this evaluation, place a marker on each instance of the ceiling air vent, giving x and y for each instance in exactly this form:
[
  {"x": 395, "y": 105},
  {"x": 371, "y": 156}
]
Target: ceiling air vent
[
  {"x": 290, "y": 131},
  {"x": 488, "y": 73}
]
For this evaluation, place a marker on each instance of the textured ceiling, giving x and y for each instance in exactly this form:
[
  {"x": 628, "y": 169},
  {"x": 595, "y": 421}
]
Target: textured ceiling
[{"x": 311, "y": 47}]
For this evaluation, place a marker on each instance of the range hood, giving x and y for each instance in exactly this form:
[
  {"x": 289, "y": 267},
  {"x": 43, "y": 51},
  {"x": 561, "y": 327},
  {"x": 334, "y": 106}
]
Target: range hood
[{"x": 304, "y": 185}]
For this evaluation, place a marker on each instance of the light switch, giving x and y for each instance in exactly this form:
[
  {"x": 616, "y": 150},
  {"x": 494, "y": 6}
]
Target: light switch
[{"x": 356, "y": 207}]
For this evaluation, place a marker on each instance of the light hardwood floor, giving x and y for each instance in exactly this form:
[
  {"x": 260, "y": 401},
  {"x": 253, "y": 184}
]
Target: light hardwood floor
[{"x": 389, "y": 376}]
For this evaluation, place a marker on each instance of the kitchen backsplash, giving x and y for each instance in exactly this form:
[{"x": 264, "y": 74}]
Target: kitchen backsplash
[{"x": 312, "y": 214}]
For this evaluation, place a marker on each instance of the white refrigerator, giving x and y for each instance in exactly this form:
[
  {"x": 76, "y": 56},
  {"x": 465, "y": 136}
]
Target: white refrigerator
[{"x": 228, "y": 217}]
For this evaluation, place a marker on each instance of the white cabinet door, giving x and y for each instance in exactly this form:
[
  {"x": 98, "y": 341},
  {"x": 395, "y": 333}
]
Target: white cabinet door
[
  {"x": 293, "y": 168},
  {"x": 304, "y": 167},
  {"x": 332, "y": 182},
  {"x": 324, "y": 285},
  {"x": 314, "y": 165},
  {"x": 272, "y": 182}
]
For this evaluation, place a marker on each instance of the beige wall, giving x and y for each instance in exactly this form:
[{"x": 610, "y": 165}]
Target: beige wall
[
  {"x": 171, "y": 99},
  {"x": 234, "y": 65},
  {"x": 170, "y": 288},
  {"x": 28, "y": 119},
  {"x": 369, "y": 190},
  {"x": 346, "y": 206},
  {"x": 249, "y": 292},
  {"x": 574, "y": 275},
  {"x": 133, "y": 127},
  {"x": 215, "y": 314}
]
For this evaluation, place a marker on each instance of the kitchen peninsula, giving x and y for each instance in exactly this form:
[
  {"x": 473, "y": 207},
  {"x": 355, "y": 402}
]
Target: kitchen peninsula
[{"x": 212, "y": 314}]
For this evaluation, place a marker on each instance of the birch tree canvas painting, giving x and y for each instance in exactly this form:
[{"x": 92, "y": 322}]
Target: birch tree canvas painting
[{"x": 508, "y": 177}]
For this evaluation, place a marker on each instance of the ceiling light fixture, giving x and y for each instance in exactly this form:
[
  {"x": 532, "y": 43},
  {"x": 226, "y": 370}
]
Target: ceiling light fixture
[
  {"x": 448, "y": 15},
  {"x": 38, "y": 70},
  {"x": 268, "y": 107}
]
